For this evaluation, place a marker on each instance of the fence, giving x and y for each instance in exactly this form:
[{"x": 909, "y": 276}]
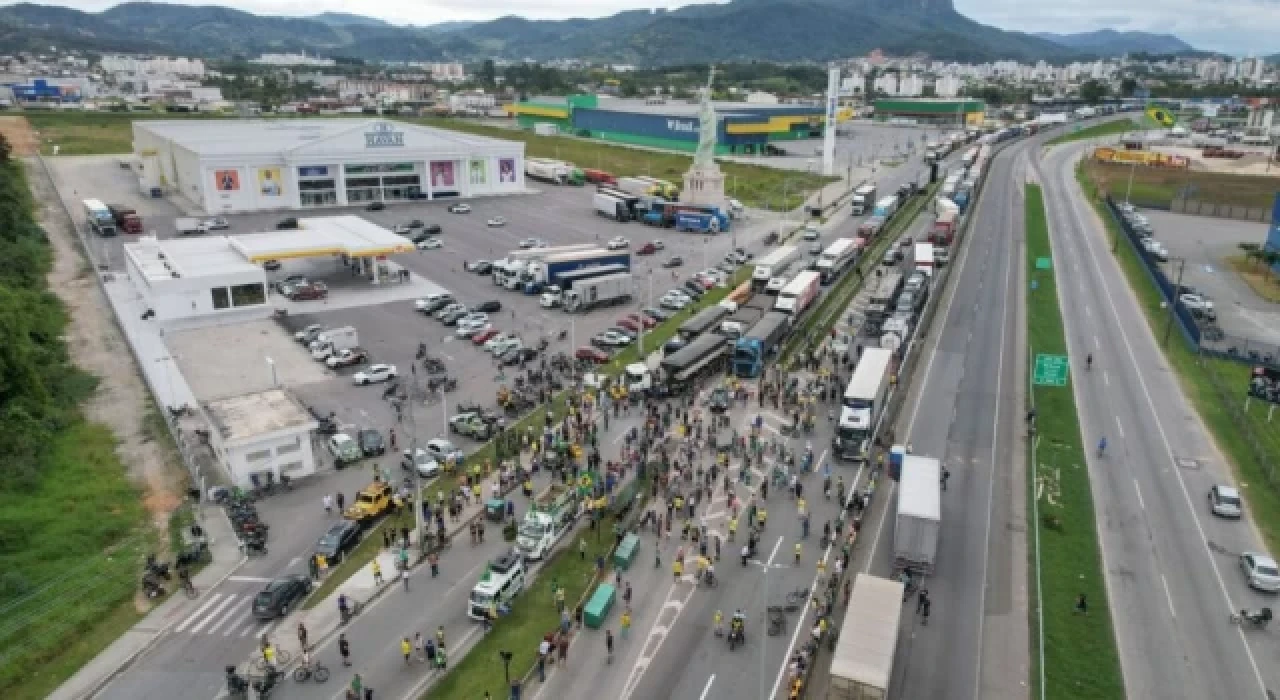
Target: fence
[{"x": 1196, "y": 207}]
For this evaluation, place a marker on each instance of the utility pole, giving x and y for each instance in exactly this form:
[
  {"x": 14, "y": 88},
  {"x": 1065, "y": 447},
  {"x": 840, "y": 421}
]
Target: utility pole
[
  {"x": 1173, "y": 303},
  {"x": 419, "y": 524}
]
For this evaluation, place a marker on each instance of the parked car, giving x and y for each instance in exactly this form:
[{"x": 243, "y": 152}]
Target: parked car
[
  {"x": 496, "y": 221},
  {"x": 453, "y": 316},
  {"x": 308, "y": 292},
  {"x": 1260, "y": 571},
  {"x": 647, "y": 249},
  {"x": 656, "y": 314},
  {"x": 811, "y": 232},
  {"x": 216, "y": 223},
  {"x": 430, "y": 244},
  {"x": 375, "y": 206},
  {"x": 419, "y": 459},
  {"x": 611, "y": 339},
  {"x": 466, "y": 329},
  {"x": 287, "y": 224},
  {"x": 471, "y": 425},
  {"x": 346, "y": 358},
  {"x": 593, "y": 354},
  {"x": 290, "y": 281},
  {"x": 338, "y": 541},
  {"x": 433, "y": 229},
  {"x": 449, "y": 307},
  {"x": 504, "y": 345},
  {"x": 480, "y": 267},
  {"x": 280, "y": 596},
  {"x": 695, "y": 288},
  {"x": 371, "y": 442},
  {"x": 517, "y": 355},
  {"x": 673, "y": 261},
  {"x": 442, "y": 450},
  {"x": 642, "y": 320},
  {"x": 459, "y": 208},
  {"x": 1225, "y": 502},
  {"x": 344, "y": 450},
  {"x": 1197, "y": 303},
  {"x": 618, "y": 243},
  {"x": 674, "y": 301},
  {"x": 483, "y": 337},
  {"x": 433, "y": 302},
  {"x": 629, "y": 324},
  {"x": 490, "y": 306},
  {"x": 375, "y": 374},
  {"x": 527, "y": 243}
]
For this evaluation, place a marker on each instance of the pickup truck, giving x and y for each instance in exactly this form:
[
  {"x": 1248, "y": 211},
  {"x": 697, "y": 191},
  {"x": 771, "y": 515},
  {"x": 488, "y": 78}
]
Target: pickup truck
[{"x": 373, "y": 501}]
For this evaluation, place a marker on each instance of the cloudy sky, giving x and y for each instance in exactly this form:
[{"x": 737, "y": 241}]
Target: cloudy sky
[{"x": 1231, "y": 26}]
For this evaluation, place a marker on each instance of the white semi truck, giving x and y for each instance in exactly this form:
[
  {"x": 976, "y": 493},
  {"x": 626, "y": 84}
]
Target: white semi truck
[
  {"x": 862, "y": 665},
  {"x": 595, "y": 292},
  {"x": 919, "y": 519},
  {"x": 550, "y": 516}
]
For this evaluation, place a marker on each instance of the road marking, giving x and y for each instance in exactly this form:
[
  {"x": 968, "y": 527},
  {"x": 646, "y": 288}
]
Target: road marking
[
  {"x": 707, "y": 688},
  {"x": 239, "y": 624},
  {"x": 199, "y": 611},
  {"x": 1096, "y": 345},
  {"x": 214, "y": 613},
  {"x": 774, "y": 553},
  {"x": 1106, "y": 378},
  {"x": 1088, "y": 312},
  {"x": 250, "y": 579},
  {"x": 1168, "y": 596},
  {"x": 1138, "y": 489},
  {"x": 1120, "y": 427}
]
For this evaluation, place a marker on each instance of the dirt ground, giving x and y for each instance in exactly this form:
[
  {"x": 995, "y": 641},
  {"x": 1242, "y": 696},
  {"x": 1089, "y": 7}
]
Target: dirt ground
[
  {"x": 21, "y": 137},
  {"x": 97, "y": 345}
]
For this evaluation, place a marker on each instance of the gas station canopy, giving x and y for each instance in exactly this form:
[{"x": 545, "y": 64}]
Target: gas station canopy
[{"x": 318, "y": 237}]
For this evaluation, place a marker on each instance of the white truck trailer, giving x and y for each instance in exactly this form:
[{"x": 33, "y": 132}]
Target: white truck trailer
[
  {"x": 919, "y": 519},
  {"x": 863, "y": 662},
  {"x": 332, "y": 342},
  {"x": 595, "y": 292},
  {"x": 863, "y": 199}
]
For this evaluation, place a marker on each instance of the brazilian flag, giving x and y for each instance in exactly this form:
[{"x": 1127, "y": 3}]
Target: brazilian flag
[{"x": 1161, "y": 116}]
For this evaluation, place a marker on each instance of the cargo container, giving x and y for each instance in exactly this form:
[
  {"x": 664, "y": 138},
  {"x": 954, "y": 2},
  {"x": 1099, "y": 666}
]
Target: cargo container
[
  {"x": 553, "y": 171},
  {"x": 702, "y": 354},
  {"x": 752, "y": 350},
  {"x": 919, "y": 518},
  {"x": 863, "y": 199},
  {"x": 798, "y": 295},
  {"x": 611, "y": 207},
  {"x": 774, "y": 264},
  {"x": 862, "y": 664},
  {"x": 924, "y": 258},
  {"x": 686, "y": 217},
  {"x": 553, "y": 269},
  {"x": 702, "y": 322},
  {"x": 886, "y": 207},
  {"x": 594, "y": 292}
]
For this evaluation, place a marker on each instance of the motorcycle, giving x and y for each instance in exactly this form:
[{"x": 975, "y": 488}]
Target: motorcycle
[
  {"x": 1257, "y": 618},
  {"x": 151, "y": 585},
  {"x": 390, "y": 391},
  {"x": 254, "y": 546},
  {"x": 268, "y": 682},
  {"x": 237, "y": 686},
  {"x": 737, "y": 635},
  {"x": 158, "y": 568}
]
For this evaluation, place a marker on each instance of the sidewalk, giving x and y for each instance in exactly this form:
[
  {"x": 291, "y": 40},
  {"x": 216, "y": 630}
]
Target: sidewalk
[{"x": 226, "y": 558}]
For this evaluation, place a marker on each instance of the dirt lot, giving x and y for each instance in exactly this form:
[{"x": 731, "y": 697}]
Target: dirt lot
[
  {"x": 21, "y": 137},
  {"x": 122, "y": 401}
]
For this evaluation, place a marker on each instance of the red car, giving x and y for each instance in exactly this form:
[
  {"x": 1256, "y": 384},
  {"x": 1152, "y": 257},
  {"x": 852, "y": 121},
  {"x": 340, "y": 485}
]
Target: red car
[
  {"x": 483, "y": 336},
  {"x": 647, "y": 249},
  {"x": 589, "y": 353},
  {"x": 629, "y": 324},
  {"x": 648, "y": 321},
  {"x": 309, "y": 292}
]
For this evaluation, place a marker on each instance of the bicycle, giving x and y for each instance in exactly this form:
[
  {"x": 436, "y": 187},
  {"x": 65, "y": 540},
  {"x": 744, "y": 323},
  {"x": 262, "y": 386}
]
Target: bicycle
[
  {"x": 317, "y": 672},
  {"x": 189, "y": 588},
  {"x": 282, "y": 659}
]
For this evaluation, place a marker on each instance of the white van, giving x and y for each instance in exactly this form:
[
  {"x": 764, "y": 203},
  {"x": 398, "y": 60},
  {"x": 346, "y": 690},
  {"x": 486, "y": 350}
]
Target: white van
[{"x": 502, "y": 581}]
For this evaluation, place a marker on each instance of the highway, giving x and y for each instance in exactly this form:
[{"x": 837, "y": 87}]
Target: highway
[{"x": 1171, "y": 566}]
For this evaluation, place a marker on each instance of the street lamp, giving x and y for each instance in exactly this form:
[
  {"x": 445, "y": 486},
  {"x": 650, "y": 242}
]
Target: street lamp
[{"x": 506, "y": 668}]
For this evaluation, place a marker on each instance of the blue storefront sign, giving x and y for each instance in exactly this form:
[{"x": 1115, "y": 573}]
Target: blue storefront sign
[
  {"x": 313, "y": 171},
  {"x": 1273, "y": 233}
]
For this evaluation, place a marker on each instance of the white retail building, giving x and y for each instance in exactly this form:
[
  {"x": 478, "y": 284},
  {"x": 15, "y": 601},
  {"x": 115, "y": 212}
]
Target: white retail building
[
  {"x": 253, "y": 165},
  {"x": 267, "y": 432}
]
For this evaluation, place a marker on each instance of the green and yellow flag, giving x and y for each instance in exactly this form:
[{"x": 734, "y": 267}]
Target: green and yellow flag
[{"x": 1161, "y": 116}]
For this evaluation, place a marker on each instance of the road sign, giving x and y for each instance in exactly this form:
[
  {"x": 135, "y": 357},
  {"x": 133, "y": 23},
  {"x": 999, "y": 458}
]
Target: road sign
[
  {"x": 1044, "y": 264},
  {"x": 1050, "y": 370}
]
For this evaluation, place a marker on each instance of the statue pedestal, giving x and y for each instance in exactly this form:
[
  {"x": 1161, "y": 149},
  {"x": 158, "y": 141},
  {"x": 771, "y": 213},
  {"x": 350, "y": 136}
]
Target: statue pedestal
[{"x": 704, "y": 184}]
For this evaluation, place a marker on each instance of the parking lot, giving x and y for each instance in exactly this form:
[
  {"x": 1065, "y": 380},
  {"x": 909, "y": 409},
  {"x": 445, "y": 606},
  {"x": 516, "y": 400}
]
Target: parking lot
[
  {"x": 1205, "y": 244},
  {"x": 858, "y": 145}
]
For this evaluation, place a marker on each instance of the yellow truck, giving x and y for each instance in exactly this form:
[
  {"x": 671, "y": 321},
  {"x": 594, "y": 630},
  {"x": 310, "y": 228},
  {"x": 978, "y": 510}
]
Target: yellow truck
[{"x": 372, "y": 502}]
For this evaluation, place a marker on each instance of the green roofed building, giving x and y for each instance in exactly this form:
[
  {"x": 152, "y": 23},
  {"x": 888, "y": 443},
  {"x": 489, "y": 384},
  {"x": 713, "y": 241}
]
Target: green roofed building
[{"x": 940, "y": 111}]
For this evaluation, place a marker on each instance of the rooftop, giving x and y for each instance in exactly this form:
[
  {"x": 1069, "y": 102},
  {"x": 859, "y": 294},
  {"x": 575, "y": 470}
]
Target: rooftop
[
  {"x": 191, "y": 257},
  {"x": 329, "y": 235},
  {"x": 281, "y": 136},
  {"x": 244, "y": 417},
  {"x": 680, "y": 108}
]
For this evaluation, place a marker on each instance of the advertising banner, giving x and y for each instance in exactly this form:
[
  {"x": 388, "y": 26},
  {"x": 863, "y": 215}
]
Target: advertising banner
[
  {"x": 226, "y": 180},
  {"x": 270, "y": 183},
  {"x": 442, "y": 174},
  {"x": 479, "y": 172},
  {"x": 507, "y": 170}
]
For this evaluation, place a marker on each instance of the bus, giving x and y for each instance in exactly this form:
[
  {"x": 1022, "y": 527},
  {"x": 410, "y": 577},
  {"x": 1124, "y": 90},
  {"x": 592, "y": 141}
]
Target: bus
[
  {"x": 99, "y": 217},
  {"x": 863, "y": 404}
]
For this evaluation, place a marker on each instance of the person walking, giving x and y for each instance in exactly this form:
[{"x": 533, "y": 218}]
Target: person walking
[
  {"x": 328, "y": 504},
  {"x": 406, "y": 650},
  {"x": 404, "y": 578},
  {"x": 434, "y": 561},
  {"x": 922, "y": 599},
  {"x": 376, "y": 568},
  {"x": 302, "y": 636},
  {"x": 625, "y": 622},
  {"x": 357, "y": 685},
  {"x": 419, "y": 647},
  {"x": 341, "y": 500},
  {"x": 344, "y": 649}
]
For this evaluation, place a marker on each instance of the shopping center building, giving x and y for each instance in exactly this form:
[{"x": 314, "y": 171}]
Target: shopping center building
[{"x": 227, "y": 166}]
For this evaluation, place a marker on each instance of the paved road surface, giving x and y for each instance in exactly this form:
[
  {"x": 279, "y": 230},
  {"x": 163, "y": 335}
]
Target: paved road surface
[{"x": 1171, "y": 566}]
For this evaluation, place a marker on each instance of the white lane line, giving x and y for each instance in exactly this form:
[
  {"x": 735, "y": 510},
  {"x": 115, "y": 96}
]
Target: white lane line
[
  {"x": 214, "y": 613},
  {"x": 1106, "y": 379},
  {"x": 774, "y": 553},
  {"x": 199, "y": 611},
  {"x": 1096, "y": 344},
  {"x": 1168, "y": 596},
  {"x": 707, "y": 688},
  {"x": 231, "y": 615},
  {"x": 239, "y": 624},
  {"x": 1120, "y": 427},
  {"x": 1141, "y": 504},
  {"x": 248, "y": 579}
]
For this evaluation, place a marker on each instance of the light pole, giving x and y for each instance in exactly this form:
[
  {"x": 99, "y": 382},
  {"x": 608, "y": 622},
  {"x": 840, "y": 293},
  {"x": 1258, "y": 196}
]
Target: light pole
[
  {"x": 1173, "y": 302},
  {"x": 418, "y": 500},
  {"x": 506, "y": 667},
  {"x": 1129, "y": 188}
]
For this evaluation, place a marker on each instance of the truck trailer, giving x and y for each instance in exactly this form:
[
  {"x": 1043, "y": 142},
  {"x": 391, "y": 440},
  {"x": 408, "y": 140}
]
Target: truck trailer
[
  {"x": 919, "y": 518},
  {"x": 886, "y": 207},
  {"x": 746, "y": 316},
  {"x": 863, "y": 199},
  {"x": 699, "y": 355},
  {"x": 702, "y": 322},
  {"x": 699, "y": 218},
  {"x": 611, "y": 207},
  {"x": 862, "y": 665},
  {"x": 798, "y": 295},
  {"x": 550, "y": 516},
  {"x": 595, "y": 292},
  {"x": 751, "y": 351},
  {"x": 126, "y": 218},
  {"x": 546, "y": 271},
  {"x": 774, "y": 264}
]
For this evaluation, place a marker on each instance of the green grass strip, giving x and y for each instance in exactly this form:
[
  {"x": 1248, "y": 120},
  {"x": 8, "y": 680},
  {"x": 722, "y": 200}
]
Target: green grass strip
[
  {"x": 1080, "y": 656},
  {"x": 1111, "y": 128}
]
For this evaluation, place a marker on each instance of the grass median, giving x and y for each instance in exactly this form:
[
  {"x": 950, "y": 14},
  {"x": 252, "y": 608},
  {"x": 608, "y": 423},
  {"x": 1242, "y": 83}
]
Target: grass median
[
  {"x": 1081, "y": 661},
  {"x": 1215, "y": 387},
  {"x": 1111, "y": 128}
]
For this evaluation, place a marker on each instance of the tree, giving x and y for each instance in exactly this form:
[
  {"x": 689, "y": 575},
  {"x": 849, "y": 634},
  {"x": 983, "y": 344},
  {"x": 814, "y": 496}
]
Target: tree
[
  {"x": 488, "y": 73},
  {"x": 1092, "y": 92},
  {"x": 1128, "y": 86},
  {"x": 1252, "y": 252}
]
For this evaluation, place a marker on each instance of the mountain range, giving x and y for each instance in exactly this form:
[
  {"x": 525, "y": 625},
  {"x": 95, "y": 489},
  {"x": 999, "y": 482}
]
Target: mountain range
[
  {"x": 1109, "y": 42},
  {"x": 741, "y": 30}
]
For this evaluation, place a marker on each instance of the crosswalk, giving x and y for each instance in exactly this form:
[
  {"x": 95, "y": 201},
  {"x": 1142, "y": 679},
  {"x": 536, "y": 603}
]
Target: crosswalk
[{"x": 222, "y": 614}]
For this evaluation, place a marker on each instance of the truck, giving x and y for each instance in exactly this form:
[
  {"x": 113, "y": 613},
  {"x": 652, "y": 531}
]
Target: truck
[
  {"x": 501, "y": 582},
  {"x": 644, "y": 186},
  {"x": 332, "y": 342},
  {"x": 636, "y": 206},
  {"x": 700, "y": 218},
  {"x": 99, "y": 218},
  {"x": 869, "y": 229},
  {"x": 595, "y": 292},
  {"x": 919, "y": 518},
  {"x": 864, "y": 401},
  {"x": 799, "y": 293},
  {"x": 638, "y": 378},
  {"x": 187, "y": 226},
  {"x": 886, "y": 207},
  {"x": 702, "y": 322},
  {"x": 862, "y": 664},
  {"x": 552, "y": 171},
  {"x": 924, "y": 258},
  {"x": 943, "y": 231},
  {"x": 507, "y": 272},
  {"x": 836, "y": 258},
  {"x": 611, "y": 207},
  {"x": 700, "y": 354},
  {"x": 752, "y": 350},
  {"x": 863, "y": 199},
  {"x": 598, "y": 177},
  {"x": 126, "y": 218},
  {"x": 774, "y": 264},
  {"x": 550, "y": 515},
  {"x": 547, "y": 271},
  {"x": 745, "y": 317}
]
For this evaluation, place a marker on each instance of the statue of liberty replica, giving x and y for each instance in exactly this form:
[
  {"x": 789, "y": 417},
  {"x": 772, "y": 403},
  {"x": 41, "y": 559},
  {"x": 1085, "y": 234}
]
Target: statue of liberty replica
[{"x": 704, "y": 183}]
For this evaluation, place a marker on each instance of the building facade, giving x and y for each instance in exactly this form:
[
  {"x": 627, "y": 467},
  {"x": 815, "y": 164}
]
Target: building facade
[
  {"x": 236, "y": 166},
  {"x": 267, "y": 432},
  {"x": 933, "y": 111}
]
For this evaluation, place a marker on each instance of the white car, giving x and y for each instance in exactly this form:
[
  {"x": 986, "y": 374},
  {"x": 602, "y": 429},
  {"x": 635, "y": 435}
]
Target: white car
[
  {"x": 1260, "y": 571},
  {"x": 375, "y": 374},
  {"x": 716, "y": 276},
  {"x": 466, "y": 330},
  {"x": 441, "y": 450},
  {"x": 611, "y": 339},
  {"x": 217, "y": 223},
  {"x": 431, "y": 300},
  {"x": 449, "y": 309},
  {"x": 430, "y": 244},
  {"x": 493, "y": 342},
  {"x": 401, "y": 229},
  {"x": 497, "y": 221},
  {"x": 1224, "y": 501},
  {"x": 528, "y": 243},
  {"x": 674, "y": 301},
  {"x": 460, "y": 209},
  {"x": 504, "y": 346},
  {"x": 1196, "y": 302},
  {"x": 811, "y": 232},
  {"x": 618, "y": 243},
  {"x": 427, "y": 466},
  {"x": 539, "y": 243},
  {"x": 474, "y": 317}
]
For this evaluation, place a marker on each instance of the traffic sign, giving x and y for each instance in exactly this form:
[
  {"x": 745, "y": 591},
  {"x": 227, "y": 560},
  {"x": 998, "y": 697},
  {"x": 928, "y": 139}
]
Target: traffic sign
[
  {"x": 1044, "y": 264},
  {"x": 1050, "y": 370}
]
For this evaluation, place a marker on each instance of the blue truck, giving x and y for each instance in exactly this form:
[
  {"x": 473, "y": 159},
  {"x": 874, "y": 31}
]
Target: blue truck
[
  {"x": 961, "y": 199},
  {"x": 751, "y": 351},
  {"x": 687, "y": 217},
  {"x": 550, "y": 270}
]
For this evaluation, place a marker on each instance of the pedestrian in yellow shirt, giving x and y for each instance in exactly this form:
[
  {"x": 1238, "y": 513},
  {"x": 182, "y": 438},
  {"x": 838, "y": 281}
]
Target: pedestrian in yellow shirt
[
  {"x": 377, "y": 572},
  {"x": 678, "y": 569},
  {"x": 406, "y": 648},
  {"x": 626, "y": 622}
]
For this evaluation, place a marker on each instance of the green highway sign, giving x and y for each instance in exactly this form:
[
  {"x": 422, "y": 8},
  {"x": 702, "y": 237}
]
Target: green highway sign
[
  {"x": 1050, "y": 370},
  {"x": 1044, "y": 264}
]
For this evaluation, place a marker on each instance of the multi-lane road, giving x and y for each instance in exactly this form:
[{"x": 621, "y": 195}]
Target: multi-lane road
[{"x": 1171, "y": 566}]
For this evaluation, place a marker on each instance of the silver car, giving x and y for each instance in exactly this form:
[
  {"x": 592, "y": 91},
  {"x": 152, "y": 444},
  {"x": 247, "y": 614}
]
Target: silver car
[
  {"x": 1224, "y": 501},
  {"x": 1260, "y": 571}
]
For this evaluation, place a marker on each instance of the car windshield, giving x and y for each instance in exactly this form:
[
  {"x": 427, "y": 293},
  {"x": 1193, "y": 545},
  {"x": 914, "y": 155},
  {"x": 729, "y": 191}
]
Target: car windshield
[
  {"x": 366, "y": 498},
  {"x": 1267, "y": 569},
  {"x": 849, "y": 434},
  {"x": 531, "y": 529},
  {"x": 479, "y": 598},
  {"x": 263, "y": 599},
  {"x": 1229, "y": 500}
]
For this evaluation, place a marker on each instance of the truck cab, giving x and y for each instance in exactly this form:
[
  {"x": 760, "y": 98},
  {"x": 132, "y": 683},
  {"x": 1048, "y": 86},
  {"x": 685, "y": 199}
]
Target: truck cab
[
  {"x": 638, "y": 377},
  {"x": 549, "y": 517},
  {"x": 853, "y": 434},
  {"x": 551, "y": 297},
  {"x": 502, "y": 581}
]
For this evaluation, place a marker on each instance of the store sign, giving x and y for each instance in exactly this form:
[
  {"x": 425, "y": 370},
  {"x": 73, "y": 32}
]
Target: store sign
[
  {"x": 383, "y": 135},
  {"x": 313, "y": 171},
  {"x": 679, "y": 125}
]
